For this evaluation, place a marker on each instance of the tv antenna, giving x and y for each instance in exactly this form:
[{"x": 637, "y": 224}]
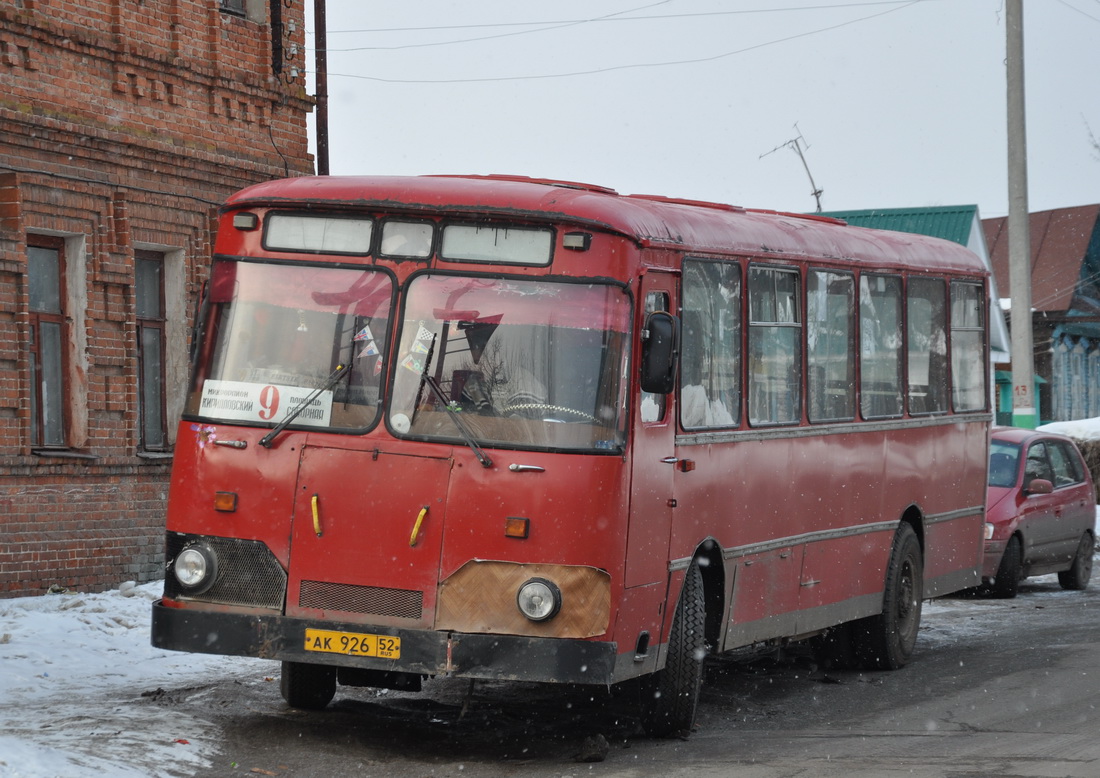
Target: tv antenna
[{"x": 797, "y": 143}]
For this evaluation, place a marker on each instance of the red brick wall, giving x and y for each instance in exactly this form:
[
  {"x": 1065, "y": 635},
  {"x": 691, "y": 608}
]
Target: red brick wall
[{"x": 122, "y": 126}]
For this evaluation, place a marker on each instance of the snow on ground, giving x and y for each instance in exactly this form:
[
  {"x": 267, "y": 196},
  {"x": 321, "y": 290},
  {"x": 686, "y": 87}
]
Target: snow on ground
[{"x": 78, "y": 681}]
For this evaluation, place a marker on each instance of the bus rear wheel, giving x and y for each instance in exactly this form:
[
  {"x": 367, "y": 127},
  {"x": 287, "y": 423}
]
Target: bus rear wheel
[
  {"x": 671, "y": 696},
  {"x": 886, "y": 641},
  {"x": 306, "y": 686}
]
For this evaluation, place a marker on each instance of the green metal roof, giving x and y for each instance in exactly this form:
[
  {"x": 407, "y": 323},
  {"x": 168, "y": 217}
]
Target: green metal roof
[{"x": 950, "y": 222}]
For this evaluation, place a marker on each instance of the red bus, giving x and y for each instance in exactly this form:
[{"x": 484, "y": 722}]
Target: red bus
[{"x": 503, "y": 428}]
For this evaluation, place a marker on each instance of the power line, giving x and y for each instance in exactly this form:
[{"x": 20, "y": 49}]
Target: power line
[
  {"x": 486, "y": 25},
  {"x": 905, "y": 4},
  {"x": 1078, "y": 10},
  {"x": 544, "y": 27}
]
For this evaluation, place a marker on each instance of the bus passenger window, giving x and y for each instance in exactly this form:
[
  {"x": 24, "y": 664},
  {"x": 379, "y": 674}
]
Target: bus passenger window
[
  {"x": 927, "y": 340},
  {"x": 775, "y": 342},
  {"x": 653, "y": 405},
  {"x": 710, "y": 363},
  {"x": 830, "y": 308},
  {"x": 880, "y": 346},
  {"x": 967, "y": 347}
]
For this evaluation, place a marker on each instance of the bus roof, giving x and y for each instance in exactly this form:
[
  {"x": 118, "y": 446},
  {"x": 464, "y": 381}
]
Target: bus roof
[{"x": 687, "y": 225}]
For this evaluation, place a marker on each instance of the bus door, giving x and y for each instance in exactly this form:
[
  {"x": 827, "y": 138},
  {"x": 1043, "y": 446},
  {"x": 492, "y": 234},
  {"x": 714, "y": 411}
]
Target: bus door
[
  {"x": 653, "y": 460},
  {"x": 367, "y": 533}
]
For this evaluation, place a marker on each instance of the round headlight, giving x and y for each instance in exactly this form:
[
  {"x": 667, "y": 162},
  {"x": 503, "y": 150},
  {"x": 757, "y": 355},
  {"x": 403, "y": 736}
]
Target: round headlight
[
  {"x": 539, "y": 599},
  {"x": 195, "y": 568}
]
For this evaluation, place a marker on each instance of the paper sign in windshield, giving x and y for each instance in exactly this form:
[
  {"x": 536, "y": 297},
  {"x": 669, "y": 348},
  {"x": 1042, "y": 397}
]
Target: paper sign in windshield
[{"x": 264, "y": 403}]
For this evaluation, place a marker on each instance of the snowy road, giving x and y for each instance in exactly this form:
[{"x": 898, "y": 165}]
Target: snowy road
[
  {"x": 78, "y": 681},
  {"x": 85, "y": 694}
]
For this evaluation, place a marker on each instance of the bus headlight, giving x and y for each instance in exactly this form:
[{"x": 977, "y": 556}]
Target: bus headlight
[
  {"x": 539, "y": 599},
  {"x": 195, "y": 568}
]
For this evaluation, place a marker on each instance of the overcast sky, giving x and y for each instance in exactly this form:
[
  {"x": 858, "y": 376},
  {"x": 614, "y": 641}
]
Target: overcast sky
[{"x": 895, "y": 104}]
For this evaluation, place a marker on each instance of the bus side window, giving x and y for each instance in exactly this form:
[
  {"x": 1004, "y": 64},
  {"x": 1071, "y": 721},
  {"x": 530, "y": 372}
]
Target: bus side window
[
  {"x": 653, "y": 405},
  {"x": 775, "y": 343},
  {"x": 967, "y": 346},
  {"x": 710, "y": 365},
  {"x": 927, "y": 338},
  {"x": 830, "y": 335},
  {"x": 880, "y": 345}
]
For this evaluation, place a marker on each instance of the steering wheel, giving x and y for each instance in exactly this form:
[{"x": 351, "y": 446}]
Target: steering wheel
[{"x": 516, "y": 407}]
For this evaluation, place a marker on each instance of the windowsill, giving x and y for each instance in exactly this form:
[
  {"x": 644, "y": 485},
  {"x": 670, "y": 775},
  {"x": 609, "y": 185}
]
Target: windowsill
[
  {"x": 61, "y": 453},
  {"x": 156, "y": 456}
]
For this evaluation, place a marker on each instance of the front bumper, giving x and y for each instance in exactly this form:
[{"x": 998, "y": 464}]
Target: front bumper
[{"x": 423, "y": 652}]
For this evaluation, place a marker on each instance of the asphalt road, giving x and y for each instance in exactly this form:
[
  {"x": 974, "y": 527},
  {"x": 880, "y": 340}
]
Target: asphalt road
[{"x": 998, "y": 688}]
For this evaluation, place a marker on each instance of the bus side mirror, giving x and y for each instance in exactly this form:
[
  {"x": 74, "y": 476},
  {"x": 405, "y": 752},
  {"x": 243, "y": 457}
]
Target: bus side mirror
[{"x": 660, "y": 352}]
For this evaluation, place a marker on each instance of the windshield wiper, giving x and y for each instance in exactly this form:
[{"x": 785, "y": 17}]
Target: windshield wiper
[
  {"x": 482, "y": 457},
  {"x": 429, "y": 379},
  {"x": 330, "y": 382}
]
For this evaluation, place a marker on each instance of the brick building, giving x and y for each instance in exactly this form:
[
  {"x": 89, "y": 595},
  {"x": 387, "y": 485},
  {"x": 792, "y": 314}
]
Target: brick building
[{"x": 123, "y": 125}]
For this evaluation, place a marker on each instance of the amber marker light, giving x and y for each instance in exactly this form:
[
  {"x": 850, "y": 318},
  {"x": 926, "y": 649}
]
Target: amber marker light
[
  {"x": 515, "y": 527},
  {"x": 226, "y": 502}
]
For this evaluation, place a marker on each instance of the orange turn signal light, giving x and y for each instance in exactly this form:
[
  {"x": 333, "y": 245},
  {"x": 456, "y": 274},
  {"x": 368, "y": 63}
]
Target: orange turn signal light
[
  {"x": 225, "y": 501},
  {"x": 516, "y": 527}
]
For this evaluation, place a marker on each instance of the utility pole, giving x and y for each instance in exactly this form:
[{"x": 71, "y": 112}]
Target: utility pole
[
  {"x": 321, "y": 76},
  {"x": 1024, "y": 412}
]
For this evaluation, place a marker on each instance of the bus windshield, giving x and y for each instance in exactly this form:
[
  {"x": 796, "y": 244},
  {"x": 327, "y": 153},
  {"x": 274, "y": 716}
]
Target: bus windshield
[
  {"x": 525, "y": 363},
  {"x": 275, "y": 334}
]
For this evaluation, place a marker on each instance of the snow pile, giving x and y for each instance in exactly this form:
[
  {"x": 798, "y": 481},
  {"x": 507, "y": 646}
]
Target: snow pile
[
  {"x": 79, "y": 683},
  {"x": 1082, "y": 429}
]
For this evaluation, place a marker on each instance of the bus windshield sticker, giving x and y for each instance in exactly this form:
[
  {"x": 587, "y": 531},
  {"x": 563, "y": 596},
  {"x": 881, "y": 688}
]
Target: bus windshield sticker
[{"x": 263, "y": 403}]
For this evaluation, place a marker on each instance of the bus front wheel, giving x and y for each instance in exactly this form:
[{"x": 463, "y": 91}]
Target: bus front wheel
[
  {"x": 671, "y": 695},
  {"x": 306, "y": 686},
  {"x": 886, "y": 641}
]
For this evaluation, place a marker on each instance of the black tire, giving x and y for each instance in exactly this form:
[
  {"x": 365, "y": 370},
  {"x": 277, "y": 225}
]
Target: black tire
[
  {"x": 1009, "y": 571},
  {"x": 886, "y": 641},
  {"x": 1079, "y": 573},
  {"x": 671, "y": 696},
  {"x": 306, "y": 686}
]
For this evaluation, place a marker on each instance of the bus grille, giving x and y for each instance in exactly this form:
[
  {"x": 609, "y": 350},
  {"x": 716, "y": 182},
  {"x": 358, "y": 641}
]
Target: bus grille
[
  {"x": 372, "y": 600},
  {"x": 248, "y": 573}
]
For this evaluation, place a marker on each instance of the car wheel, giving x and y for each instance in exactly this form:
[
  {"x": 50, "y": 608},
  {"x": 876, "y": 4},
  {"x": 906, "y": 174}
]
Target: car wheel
[
  {"x": 306, "y": 686},
  {"x": 671, "y": 695},
  {"x": 1079, "y": 573},
  {"x": 886, "y": 641},
  {"x": 1007, "y": 582}
]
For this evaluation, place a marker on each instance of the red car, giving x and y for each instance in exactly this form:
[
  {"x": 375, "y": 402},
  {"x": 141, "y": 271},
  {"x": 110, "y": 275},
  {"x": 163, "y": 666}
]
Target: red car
[{"x": 1040, "y": 511}]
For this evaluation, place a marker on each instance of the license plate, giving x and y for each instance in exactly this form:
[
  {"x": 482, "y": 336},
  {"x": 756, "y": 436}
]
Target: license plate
[{"x": 353, "y": 643}]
